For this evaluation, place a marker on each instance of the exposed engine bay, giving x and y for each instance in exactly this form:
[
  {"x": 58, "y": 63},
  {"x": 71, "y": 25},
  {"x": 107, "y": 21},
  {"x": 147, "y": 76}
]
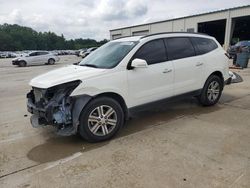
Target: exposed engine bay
[{"x": 54, "y": 106}]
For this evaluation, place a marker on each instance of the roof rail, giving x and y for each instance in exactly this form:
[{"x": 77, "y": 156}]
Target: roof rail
[
  {"x": 126, "y": 37},
  {"x": 173, "y": 33}
]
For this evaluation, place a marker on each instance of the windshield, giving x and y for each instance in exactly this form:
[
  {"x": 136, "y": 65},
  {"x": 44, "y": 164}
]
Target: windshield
[{"x": 109, "y": 55}]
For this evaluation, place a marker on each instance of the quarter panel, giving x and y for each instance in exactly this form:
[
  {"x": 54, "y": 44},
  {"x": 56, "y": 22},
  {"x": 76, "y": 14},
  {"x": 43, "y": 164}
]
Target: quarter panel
[
  {"x": 216, "y": 61},
  {"x": 114, "y": 81}
]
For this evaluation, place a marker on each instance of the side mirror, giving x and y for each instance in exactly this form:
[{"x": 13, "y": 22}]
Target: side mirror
[{"x": 139, "y": 63}]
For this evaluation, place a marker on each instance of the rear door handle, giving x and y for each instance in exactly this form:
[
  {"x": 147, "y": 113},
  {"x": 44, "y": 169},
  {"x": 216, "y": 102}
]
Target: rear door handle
[
  {"x": 199, "y": 64},
  {"x": 167, "y": 71}
]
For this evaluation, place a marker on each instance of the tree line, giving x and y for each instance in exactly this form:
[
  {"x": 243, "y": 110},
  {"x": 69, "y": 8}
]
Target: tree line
[{"x": 16, "y": 38}]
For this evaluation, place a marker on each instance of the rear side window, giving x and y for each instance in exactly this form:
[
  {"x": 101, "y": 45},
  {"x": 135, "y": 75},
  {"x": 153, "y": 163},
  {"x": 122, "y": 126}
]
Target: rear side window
[
  {"x": 179, "y": 47},
  {"x": 42, "y": 53},
  {"x": 203, "y": 45},
  {"x": 153, "y": 52}
]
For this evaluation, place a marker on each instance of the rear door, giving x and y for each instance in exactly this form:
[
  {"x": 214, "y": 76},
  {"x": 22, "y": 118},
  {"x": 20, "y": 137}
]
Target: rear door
[
  {"x": 43, "y": 57},
  {"x": 205, "y": 49},
  {"x": 33, "y": 58},
  {"x": 154, "y": 82},
  {"x": 188, "y": 67}
]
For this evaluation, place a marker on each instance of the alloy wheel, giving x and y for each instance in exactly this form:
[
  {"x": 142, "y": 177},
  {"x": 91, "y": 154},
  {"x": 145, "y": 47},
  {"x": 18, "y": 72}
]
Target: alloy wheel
[
  {"x": 102, "y": 120},
  {"x": 213, "y": 91}
]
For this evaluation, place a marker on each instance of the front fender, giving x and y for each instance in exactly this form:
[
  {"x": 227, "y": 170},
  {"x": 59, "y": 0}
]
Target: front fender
[{"x": 80, "y": 102}]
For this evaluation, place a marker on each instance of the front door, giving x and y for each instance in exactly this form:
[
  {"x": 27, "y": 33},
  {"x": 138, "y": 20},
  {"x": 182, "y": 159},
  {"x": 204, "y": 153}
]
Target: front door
[
  {"x": 154, "y": 82},
  {"x": 33, "y": 58}
]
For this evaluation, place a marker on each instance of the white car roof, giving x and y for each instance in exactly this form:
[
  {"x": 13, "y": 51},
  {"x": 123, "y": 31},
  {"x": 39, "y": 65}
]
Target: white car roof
[
  {"x": 159, "y": 35},
  {"x": 130, "y": 39}
]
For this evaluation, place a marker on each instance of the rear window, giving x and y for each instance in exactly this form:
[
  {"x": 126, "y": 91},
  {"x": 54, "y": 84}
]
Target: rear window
[
  {"x": 179, "y": 47},
  {"x": 203, "y": 45}
]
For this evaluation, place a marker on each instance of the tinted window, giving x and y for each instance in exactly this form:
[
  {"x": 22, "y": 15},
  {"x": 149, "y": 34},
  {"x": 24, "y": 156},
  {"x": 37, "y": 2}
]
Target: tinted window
[
  {"x": 153, "y": 52},
  {"x": 178, "y": 48},
  {"x": 33, "y": 54},
  {"x": 203, "y": 45},
  {"x": 42, "y": 53}
]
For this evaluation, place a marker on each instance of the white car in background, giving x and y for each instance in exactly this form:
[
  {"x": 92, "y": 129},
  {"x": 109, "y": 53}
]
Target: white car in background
[
  {"x": 36, "y": 58},
  {"x": 84, "y": 54}
]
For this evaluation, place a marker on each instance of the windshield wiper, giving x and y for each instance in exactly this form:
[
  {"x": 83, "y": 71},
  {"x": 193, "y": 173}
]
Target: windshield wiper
[{"x": 90, "y": 65}]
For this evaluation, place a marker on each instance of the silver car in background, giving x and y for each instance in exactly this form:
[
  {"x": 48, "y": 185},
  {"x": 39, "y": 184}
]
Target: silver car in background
[
  {"x": 36, "y": 58},
  {"x": 85, "y": 53}
]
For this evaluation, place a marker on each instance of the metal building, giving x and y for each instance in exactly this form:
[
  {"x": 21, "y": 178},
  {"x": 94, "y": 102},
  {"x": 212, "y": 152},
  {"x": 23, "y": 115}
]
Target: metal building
[{"x": 227, "y": 26}]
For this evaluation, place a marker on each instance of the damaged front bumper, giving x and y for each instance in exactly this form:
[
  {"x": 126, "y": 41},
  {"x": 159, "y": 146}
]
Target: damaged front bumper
[
  {"x": 57, "y": 109},
  {"x": 53, "y": 113},
  {"x": 235, "y": 78},
  {"x": 15, "y": 62}
]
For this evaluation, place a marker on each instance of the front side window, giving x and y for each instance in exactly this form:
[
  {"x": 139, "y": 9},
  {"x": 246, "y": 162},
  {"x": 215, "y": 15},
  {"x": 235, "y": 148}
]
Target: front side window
[
  {"x": 109, "y": 55},
  {"x": 203, "y": 45},
  {"x": 179, "y": 47},
  {"x": 153, "y": 52}
]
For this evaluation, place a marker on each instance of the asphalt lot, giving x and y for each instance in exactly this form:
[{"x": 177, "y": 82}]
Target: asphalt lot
[{"x": 179, "y": 144}]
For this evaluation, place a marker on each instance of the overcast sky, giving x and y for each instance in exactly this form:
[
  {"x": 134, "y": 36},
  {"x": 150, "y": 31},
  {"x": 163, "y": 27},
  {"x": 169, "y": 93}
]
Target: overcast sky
[{"x": 94, "y": 18}]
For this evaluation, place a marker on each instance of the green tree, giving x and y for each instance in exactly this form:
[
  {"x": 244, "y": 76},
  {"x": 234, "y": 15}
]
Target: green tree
[{"x": 15, "y": 37}]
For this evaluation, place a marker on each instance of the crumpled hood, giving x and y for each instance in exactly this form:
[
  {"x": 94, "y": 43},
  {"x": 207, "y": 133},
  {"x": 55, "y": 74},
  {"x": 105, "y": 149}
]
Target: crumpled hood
[{"x": 64, "y": 75}]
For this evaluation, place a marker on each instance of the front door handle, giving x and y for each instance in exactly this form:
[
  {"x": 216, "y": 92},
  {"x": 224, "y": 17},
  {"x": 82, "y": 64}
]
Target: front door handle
[
  {"x": 167, "y": 71},
  {"x": 199, "y": 64}
]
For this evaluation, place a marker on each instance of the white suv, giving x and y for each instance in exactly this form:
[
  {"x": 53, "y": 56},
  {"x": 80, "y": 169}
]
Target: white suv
[
  {"x": 95, "y": 97},
  {"x": 36, "y": 58}
]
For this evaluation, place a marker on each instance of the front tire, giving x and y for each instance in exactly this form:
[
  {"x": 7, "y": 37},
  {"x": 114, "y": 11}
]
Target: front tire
[
  {"x": 22, "y": 64},
  {"x": 101, "y": 119},
  {"x": 51, "y": 61},
  {"x": 211, "y": 91}
]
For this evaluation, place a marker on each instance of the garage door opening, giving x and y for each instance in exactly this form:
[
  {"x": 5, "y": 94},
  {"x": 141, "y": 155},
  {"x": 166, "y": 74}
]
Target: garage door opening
[
  {"x": 140, "y": 33},
  {"x": 240, "y": 29},
  {"x": 214, "y": 28}
]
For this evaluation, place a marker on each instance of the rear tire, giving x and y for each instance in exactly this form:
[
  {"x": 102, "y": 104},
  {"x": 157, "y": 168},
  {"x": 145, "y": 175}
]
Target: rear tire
[
  {"x": 211, "y": 91},
  {"x": 101, "y": 119},
  {"x": 51, "y": 61},
  {"x": 22, "y": 64}
]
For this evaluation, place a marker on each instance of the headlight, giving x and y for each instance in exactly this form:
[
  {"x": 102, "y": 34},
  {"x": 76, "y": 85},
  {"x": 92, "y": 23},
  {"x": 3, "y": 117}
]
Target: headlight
[
  {"x": 65, "y": 88},
  {"x": 56, "y": 93}
]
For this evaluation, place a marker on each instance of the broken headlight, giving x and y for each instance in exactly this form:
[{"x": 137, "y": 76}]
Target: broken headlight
[{"x": 65, "y": 88}]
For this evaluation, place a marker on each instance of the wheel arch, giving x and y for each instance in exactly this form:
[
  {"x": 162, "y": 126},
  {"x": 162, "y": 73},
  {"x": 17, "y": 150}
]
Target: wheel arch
[
  {"x": 51, "y": 58},
  {"x": 22, "y": 60},
  {"x": 218, "y": 73},
  {"x": 116, "y": 97},
  {"x": 83, "y": 100}
]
